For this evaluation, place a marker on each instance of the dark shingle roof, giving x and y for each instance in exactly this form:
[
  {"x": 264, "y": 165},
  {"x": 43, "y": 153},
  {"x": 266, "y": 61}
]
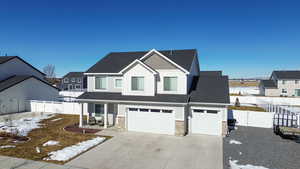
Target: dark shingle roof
[
  {"x": 268, "y": 83},
  {"x": 116, "y": 61},
  {"x": 173, "y": 98},
  {"x": 210, "y": 73},
  {"x": 16, "y": 79},
  {"x": 287, "y": 74},
  {"x": 4, "y": 59},
  {"x": 211, "y": 89},
  {"x": 74, "y": 74}
]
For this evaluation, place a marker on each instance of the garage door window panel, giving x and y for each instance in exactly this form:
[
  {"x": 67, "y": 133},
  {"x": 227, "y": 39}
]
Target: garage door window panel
[
  {"x": 144, "y": 110},
  {"x": 167, "y": 111},
  {"x": 155, "y": 110},
  {"x": 212, "y": 111},
  {"x": 198, "y": 111}
]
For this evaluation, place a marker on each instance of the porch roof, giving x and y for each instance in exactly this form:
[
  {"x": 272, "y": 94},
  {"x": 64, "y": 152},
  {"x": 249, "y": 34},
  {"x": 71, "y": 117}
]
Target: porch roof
[{"x": 109, "y": 96}]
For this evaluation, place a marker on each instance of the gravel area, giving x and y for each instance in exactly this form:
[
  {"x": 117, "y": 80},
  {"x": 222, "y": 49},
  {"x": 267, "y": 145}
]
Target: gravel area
[{"x": 260, "y": 147}]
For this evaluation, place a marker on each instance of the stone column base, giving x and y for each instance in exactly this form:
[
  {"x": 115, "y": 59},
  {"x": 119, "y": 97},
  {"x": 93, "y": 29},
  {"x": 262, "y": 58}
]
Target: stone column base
[
  {"x": 120, "y": 122},
  {"x": 224, "y": 128},
  {"x": 179, "y": 128}
]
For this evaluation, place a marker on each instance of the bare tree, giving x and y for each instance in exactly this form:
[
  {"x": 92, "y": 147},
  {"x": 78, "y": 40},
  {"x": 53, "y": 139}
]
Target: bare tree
[{"x": 49, "y": 70}]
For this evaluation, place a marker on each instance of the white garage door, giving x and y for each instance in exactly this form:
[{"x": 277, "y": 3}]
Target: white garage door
[
  {"x": 206, "y": 122},
  {"x": 159, "y": 121}
]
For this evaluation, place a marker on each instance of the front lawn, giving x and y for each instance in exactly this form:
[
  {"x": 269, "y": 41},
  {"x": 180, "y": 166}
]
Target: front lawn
[
  {"x": 51, "y": 129},
  {"x": 247, "y": 108}
]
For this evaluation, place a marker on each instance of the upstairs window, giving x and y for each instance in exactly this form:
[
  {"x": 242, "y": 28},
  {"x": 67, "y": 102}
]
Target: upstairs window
[
  {"x": 78, "y": 80},
  {"x": 100, "y": 83},
  {"x": 283, "y": 91},
  {"x": 73, "y": 79},
  {"x": 118, "y": 83},
  {"x": 137, "y": 83},
  {"x": 170, "y": 83},
  {"x": 66, "y": 80}
]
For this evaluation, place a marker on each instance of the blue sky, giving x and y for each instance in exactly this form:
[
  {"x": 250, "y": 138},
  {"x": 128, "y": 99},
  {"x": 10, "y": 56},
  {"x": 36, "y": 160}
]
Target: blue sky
[{"x": 244, "y": 38}]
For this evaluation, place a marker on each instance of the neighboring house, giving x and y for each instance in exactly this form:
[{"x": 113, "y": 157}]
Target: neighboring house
[
  {"x": 74, "y": 81},
  {"x": 281, "y": 83},
  {"x": 157, "y": 92},
  {"x": 20, "y": 82}
]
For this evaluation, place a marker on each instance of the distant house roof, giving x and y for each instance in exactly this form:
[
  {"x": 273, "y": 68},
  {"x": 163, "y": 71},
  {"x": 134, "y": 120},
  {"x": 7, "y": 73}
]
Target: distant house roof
[
  {"x": 114, "y": 62},
  {"x": 210, "y": 89},
  {"x": 210, "y": 73},
  {"x": 268, "y": 83},
  {"x": 4, "y": 59},
  {"x": 287, "y": 74},
  {"x": 74, "y": 74},
  {"x": 16, "y": 79}
]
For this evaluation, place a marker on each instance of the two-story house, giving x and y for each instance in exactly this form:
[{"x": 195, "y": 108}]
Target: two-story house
[
  {"x": 20, "y": 82},
  {"x": 74, "y": 81},
  {"x": 281, "y": 83},
  {"x": 158, "y": 92}
]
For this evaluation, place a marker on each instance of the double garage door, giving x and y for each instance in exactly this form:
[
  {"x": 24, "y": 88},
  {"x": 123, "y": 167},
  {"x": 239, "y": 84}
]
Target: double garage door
[
  {"x": 161, "y": 121},
  {"x": 207, "y": 122}
]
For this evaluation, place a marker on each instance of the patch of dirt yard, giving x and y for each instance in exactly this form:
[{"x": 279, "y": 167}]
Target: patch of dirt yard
[{"x": 50, "y": 130}]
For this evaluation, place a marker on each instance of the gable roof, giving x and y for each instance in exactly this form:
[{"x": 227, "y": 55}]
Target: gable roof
[
  {"x": 116, "y": 61},
  {"x": 16, "y": 79},
  {"x": 210, "y": 73},
  {"x": 4, "y": 59},
  {"x": 74, "y": 74},
  {"x": 287, "y": 74},
  {"x": 210, "y": 89},
  {"x": 141, "y": 63},
  {"x": 268, "y": 83}
]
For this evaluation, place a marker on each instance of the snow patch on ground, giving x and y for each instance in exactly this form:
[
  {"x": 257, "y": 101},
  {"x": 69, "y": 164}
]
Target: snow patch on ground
[
  {"x": 22, "y": 126},
  {"x": 51, "y": 143},
  {"x": 7, "y": 146},
  {"x": 234, "y": 142},
  {"x": 234, "y": 165},
  {"x": 57, "y": 119},
  {"x": 37, "y": 149},
  {"x": 70, "y": 152}
]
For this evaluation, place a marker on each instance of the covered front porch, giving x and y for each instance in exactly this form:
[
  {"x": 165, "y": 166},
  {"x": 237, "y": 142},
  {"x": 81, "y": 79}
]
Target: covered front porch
[{"x": 98, "y": 115}]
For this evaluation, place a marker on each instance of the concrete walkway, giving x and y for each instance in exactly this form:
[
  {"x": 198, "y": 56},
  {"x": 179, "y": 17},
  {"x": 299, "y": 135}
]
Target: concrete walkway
[
  {"x": 129, "y": 150},
  {"x": 18, "y": 163}
]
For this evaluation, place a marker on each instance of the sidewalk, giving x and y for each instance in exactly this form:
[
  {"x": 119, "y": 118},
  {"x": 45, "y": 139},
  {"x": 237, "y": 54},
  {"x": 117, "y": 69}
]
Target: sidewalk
[{"x": 18, "y": 163}]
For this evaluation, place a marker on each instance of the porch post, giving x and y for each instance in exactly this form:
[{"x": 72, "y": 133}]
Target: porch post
[
  {"x": 105, "y": 115},
  {"x": 81, "y": 116}
]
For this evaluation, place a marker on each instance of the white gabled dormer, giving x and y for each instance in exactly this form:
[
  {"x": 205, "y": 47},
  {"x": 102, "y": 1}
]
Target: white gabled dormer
[{"x": 138, "y": 79}]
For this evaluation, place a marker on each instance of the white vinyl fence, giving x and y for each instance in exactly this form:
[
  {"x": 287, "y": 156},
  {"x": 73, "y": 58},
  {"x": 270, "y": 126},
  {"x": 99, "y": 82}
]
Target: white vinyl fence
[
  {"x": 54, "y": 107},
  {"x": 263, "y": 100},
  {"x": 252, "y": 118}
]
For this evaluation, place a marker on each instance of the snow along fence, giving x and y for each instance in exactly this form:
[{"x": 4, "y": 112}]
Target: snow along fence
[
  {"x": 54, "y": 107},
  {"x": 252, "y": 118}
]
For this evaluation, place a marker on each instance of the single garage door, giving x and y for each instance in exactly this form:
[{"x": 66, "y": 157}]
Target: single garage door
[
  {"x": 159, "y": 121},
  {"x": 206, "y": 122}
]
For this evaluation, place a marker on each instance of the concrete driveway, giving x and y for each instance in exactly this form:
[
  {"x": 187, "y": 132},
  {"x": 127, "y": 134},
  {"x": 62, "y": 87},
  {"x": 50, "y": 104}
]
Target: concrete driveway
[{"x": 129, "y": 150}]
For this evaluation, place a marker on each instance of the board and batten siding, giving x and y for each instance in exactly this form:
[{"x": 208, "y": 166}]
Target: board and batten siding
[{"x": 17, "y": 67}]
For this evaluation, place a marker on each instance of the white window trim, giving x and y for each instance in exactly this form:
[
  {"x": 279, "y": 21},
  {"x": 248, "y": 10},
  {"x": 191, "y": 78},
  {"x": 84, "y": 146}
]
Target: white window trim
[
  {"x": 131, "y": 84},
  {"x": 163, "y": 85},
  {"x": 106, "y": 89},
  {"x": 66, "y": 80},
  {"x": 116, "y": 83},
  {"x": 79, "y": 80},
  {"x": 77, "y": 85}
]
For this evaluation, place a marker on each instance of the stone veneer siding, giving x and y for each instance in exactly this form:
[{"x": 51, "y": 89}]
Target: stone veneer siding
[
  {"x": 120, "y": 122},
  {"x": 224, "y": 128},
  {"x": 179, "y": 128}
]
